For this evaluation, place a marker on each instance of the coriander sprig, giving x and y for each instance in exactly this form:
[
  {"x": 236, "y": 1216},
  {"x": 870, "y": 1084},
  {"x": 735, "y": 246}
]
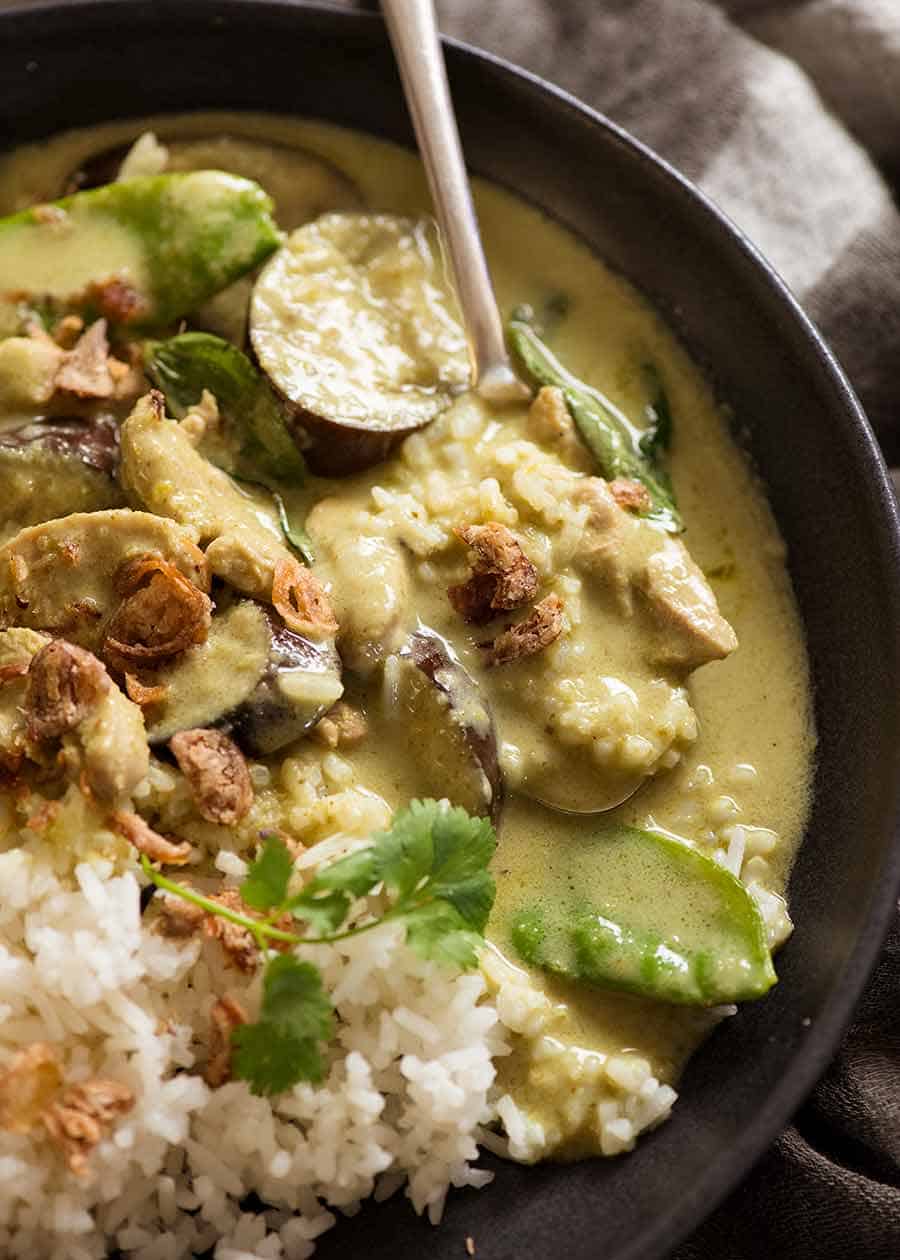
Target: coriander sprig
[{"x": 432, "y": 865}]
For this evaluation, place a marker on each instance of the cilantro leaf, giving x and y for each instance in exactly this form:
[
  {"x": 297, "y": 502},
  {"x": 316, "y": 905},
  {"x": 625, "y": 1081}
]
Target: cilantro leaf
[
  {"x": 272, "y": 1060},
  {"x": 283, "y": 1046},
  {"x": 462, "y": 849},
  {"x": 436, "y": 932},
  {"x": 439, "y": 851},
  {"x": 405, "y": 854},
  {"x": 355, "y": 874},
  {"x": 324, "y": 911},
  {"x": 268, "y": 877},
  {"x": 293, "y": 998},
  {"x": 433, "y": 863}
]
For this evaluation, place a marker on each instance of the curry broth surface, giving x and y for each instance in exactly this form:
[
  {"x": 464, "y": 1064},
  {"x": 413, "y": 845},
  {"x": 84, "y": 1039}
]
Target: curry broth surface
[{"x": 751, "y": 763}]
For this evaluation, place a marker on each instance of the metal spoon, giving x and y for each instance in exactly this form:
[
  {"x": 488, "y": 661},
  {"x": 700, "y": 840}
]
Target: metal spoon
[{"x": 414, "y": 36}]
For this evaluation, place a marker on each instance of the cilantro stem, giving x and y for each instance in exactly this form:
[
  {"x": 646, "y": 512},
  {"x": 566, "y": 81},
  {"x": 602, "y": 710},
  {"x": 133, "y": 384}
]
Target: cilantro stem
[
  {"x": 258, "y": 927},
  {"x": 262, "y": 929},
  {"x": 397, "y": 912}
]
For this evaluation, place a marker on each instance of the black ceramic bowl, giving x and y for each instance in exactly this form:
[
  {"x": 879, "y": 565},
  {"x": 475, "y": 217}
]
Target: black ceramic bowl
[{"x": 68, "y": 64}]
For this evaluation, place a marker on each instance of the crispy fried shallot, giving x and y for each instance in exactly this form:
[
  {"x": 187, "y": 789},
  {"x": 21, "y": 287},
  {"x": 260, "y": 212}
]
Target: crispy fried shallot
[
  {"x": 502, "y": 577},
  {"x": 144, "y": 694},
  {"x": 177, "y": 920},
  {"x": 225, "y": 1016},
  {"x": 85, "y": 368},
  {"x": 630, "y": 495},
  {"x": 300, "y": 598},
  {"x": 64, "y": 684},
  {"x": 79, "y": 1120},
  {"x": 116, "y": 300},
  {"x": 156, "y": 847},
  {"x": 13, "y": 670},
  {"x": 537, "y": 631},
  {"x": 27, "y": 1086},
  {"x": 161, "y": 614},
  {"x": 216, "y": 772},
  {"x": 237, "y": 941}
]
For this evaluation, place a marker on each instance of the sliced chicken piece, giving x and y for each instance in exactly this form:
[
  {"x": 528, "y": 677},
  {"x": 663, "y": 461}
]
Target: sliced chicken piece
[
  {"x": 633, "y": 557},
  {"x": 602, "y": 550},
  {"x": 163, "y": 471},
  {"x": 692, "y": 630},
  {"x": 61, "y": 576},
  {"x": 113, "y": 746},
  {"x": 370, "y": 584}
]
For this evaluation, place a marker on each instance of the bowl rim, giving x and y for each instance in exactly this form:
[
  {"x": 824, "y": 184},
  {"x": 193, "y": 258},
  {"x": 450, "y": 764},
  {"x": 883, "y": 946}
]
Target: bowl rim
[{"x": 810, "y": 1061}]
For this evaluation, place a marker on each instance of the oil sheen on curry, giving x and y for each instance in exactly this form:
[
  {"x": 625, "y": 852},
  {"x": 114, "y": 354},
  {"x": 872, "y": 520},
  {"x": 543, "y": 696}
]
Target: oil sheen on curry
[{"x": 252, "y": 513}]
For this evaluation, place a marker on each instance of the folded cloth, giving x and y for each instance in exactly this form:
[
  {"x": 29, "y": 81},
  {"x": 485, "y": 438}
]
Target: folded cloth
[
  {"x": 788, "y": 115},
  {"x": 779, "y": 111}
]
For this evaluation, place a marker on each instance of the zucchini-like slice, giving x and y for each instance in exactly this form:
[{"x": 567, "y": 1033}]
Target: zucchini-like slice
[
  {"x": 252, "y": 677},
  {"x": 354, "y": 323},
  {"x": 143, "y": 252}
]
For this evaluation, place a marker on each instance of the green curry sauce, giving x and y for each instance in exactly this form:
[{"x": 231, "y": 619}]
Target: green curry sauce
[{"x": 587, "y": 912}]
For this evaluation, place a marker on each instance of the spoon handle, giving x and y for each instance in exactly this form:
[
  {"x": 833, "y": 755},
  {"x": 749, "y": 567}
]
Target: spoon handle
[{"x": 413, "y": 31}]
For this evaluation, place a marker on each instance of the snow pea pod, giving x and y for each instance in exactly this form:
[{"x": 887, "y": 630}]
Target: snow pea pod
[{"x": 667, "y": 923}]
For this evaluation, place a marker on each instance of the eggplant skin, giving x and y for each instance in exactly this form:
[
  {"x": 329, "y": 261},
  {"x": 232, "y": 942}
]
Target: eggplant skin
[
  {"x": 55, "y": 467},
  {"x": 269, "y": 719},
  {"x": 339, "y": 448},
  {"x": 94, "y": 443},
  {"x": 471, "y": 735}
]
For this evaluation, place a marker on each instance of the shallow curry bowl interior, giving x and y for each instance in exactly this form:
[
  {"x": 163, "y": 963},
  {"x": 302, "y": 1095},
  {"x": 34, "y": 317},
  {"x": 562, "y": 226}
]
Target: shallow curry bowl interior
[{"x": 76, "y": 63}]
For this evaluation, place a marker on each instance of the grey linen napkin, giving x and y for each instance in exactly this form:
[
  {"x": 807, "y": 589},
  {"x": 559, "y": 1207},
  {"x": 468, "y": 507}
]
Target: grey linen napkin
[{"x": 788, "y": 115}]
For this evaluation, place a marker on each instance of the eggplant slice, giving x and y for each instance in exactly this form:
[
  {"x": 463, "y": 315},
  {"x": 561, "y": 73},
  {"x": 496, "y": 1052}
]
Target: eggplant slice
[
  {"x": 448, "y": 725},
  {"x": 355, "y": 325},
  {"x": 253, "y": 678},
  {"x": 51, "y": 468}
]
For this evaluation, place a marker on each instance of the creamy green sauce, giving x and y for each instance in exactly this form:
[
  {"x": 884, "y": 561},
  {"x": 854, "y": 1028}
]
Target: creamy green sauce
[{"x": 751, "y": 761}]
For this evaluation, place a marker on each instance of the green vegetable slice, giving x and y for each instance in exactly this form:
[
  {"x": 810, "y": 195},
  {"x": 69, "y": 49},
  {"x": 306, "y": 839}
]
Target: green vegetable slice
[
  {"x": 184, "y": 366},
  {"x": 671, "y": 924},
  {"x": 618, "y": 446},
  {"x": 169, "y": 241}
]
